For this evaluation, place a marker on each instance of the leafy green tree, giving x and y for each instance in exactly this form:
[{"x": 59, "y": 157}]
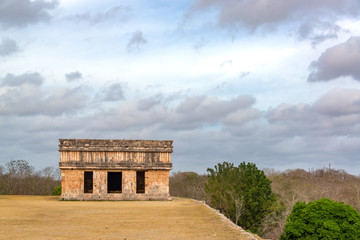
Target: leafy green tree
[
  {"x": 322, "y": 219},
  {"x": 241, "y": 193}
]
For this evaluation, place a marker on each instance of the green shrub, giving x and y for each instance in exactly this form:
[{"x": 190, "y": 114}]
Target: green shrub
[
  {"x": 241, "y": 193},
  {"x": 57, "y": 191},
  {"x": 322, "y": 219}
]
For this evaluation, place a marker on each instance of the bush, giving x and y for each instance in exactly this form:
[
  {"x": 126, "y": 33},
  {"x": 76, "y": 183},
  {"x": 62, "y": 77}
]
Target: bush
[
  {"x": 322, "y": 219},
  {"x": 57, "y": 191},
  {"x": 241, "y": 193}
]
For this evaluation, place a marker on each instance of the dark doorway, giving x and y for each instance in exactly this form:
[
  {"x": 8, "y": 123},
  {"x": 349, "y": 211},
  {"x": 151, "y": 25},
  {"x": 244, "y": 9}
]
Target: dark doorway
[
  {"x": 88, "y": 182},
  {"x": 140, "y": 182},
  {"x": 114, "y": 182}
]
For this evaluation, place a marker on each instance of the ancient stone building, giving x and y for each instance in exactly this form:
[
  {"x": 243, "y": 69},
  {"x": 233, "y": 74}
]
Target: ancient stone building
[{"x": 93, "y": 169}]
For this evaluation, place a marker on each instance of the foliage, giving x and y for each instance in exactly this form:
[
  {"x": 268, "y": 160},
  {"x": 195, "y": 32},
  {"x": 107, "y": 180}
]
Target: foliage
[
  {"x": 57, "y": 191},
  {"x": 289, "y": 186},
  {"x": 322, "y": 219},
  {"x": 300, "y": 185},
  {"x": 241, "y": 193}
]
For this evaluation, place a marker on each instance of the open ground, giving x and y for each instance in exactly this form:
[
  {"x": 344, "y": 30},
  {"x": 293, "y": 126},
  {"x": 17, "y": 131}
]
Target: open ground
[{"x": 45, "y": 217}]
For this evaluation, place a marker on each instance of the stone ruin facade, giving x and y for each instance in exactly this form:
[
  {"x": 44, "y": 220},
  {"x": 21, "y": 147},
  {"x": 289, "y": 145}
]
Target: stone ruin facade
[{"x": 93, "y": 169}]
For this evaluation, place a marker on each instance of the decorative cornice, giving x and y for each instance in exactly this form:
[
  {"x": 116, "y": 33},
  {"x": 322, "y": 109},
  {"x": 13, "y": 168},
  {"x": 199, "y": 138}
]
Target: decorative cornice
[
  {"x": 115, "y": 166},
  {"x": 115, "y": 145}
]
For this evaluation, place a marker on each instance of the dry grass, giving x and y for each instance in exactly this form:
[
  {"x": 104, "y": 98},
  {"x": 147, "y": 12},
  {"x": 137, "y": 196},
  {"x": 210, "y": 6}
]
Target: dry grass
[{"x": 44, "y": 217}]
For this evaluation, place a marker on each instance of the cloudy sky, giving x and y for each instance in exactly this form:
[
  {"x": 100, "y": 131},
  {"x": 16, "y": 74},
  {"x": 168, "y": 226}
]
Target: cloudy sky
[{"x": 274, "y": 82}]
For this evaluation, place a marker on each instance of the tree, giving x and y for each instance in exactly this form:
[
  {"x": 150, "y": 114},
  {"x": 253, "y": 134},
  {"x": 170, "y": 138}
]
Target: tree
[
  {"x": 322, "y": 219},
  {"x": 19, "y": 168},
  {"x": 20, "y": 178},
  {"x": 241, "y": 193},
  {"x": 187, "y": 184}
]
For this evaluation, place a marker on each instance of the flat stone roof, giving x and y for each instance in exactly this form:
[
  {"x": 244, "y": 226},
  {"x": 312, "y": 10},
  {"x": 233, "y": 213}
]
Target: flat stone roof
[{"x": 115, "y": 145}]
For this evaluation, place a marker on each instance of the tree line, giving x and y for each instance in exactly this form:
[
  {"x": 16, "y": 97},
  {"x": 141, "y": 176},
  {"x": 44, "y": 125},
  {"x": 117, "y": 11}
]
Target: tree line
[
  {"x": 273, "y": 204},
  {"x": 262, "y": 201},
  {"x": 18, "y": 177}
]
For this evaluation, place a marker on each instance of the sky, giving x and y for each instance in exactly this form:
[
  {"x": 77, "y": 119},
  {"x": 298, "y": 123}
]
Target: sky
[{"x": 273, "y": 82}]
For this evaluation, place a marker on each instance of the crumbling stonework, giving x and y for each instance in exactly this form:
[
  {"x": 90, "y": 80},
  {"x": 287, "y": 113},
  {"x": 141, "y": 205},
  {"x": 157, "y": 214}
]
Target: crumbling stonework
[{"x": 93, "y": 169}]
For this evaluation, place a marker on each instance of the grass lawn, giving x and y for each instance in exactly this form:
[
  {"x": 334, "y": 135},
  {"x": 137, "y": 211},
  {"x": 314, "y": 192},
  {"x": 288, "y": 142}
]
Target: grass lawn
[{"x": 44, "y": 217}]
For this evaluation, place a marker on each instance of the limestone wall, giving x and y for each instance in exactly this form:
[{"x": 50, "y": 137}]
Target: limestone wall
[
  {"x": 115, "y": 160},
  {"x": 115, "y": 154},
  {"x": 156, "y": 185},
  {"x": 126, "y": 156}
]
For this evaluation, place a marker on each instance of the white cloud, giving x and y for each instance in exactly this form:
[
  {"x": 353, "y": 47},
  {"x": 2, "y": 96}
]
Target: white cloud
[
  {"x": 212, "y": 101},
  {"x": 296, "y": 135},
  {"x": 73, "y": 76},
  {"x": 136, "y": 41},
  {"x": 338, "y": 61},
  {"x": 319, "y": 31},
  {"x": 120, "y": 13},
  {"x": 23, "y": 79},
  {"x": 113, "y": 92},
  {"x": 339, "y": 102},
  {"x": 25, "y": 100},
  {"x": 20, "y": 13},
  {"x": 8, "y": 47},
  {"x": 335, "y": 113},
  {"x": 256, "y": 13}
]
